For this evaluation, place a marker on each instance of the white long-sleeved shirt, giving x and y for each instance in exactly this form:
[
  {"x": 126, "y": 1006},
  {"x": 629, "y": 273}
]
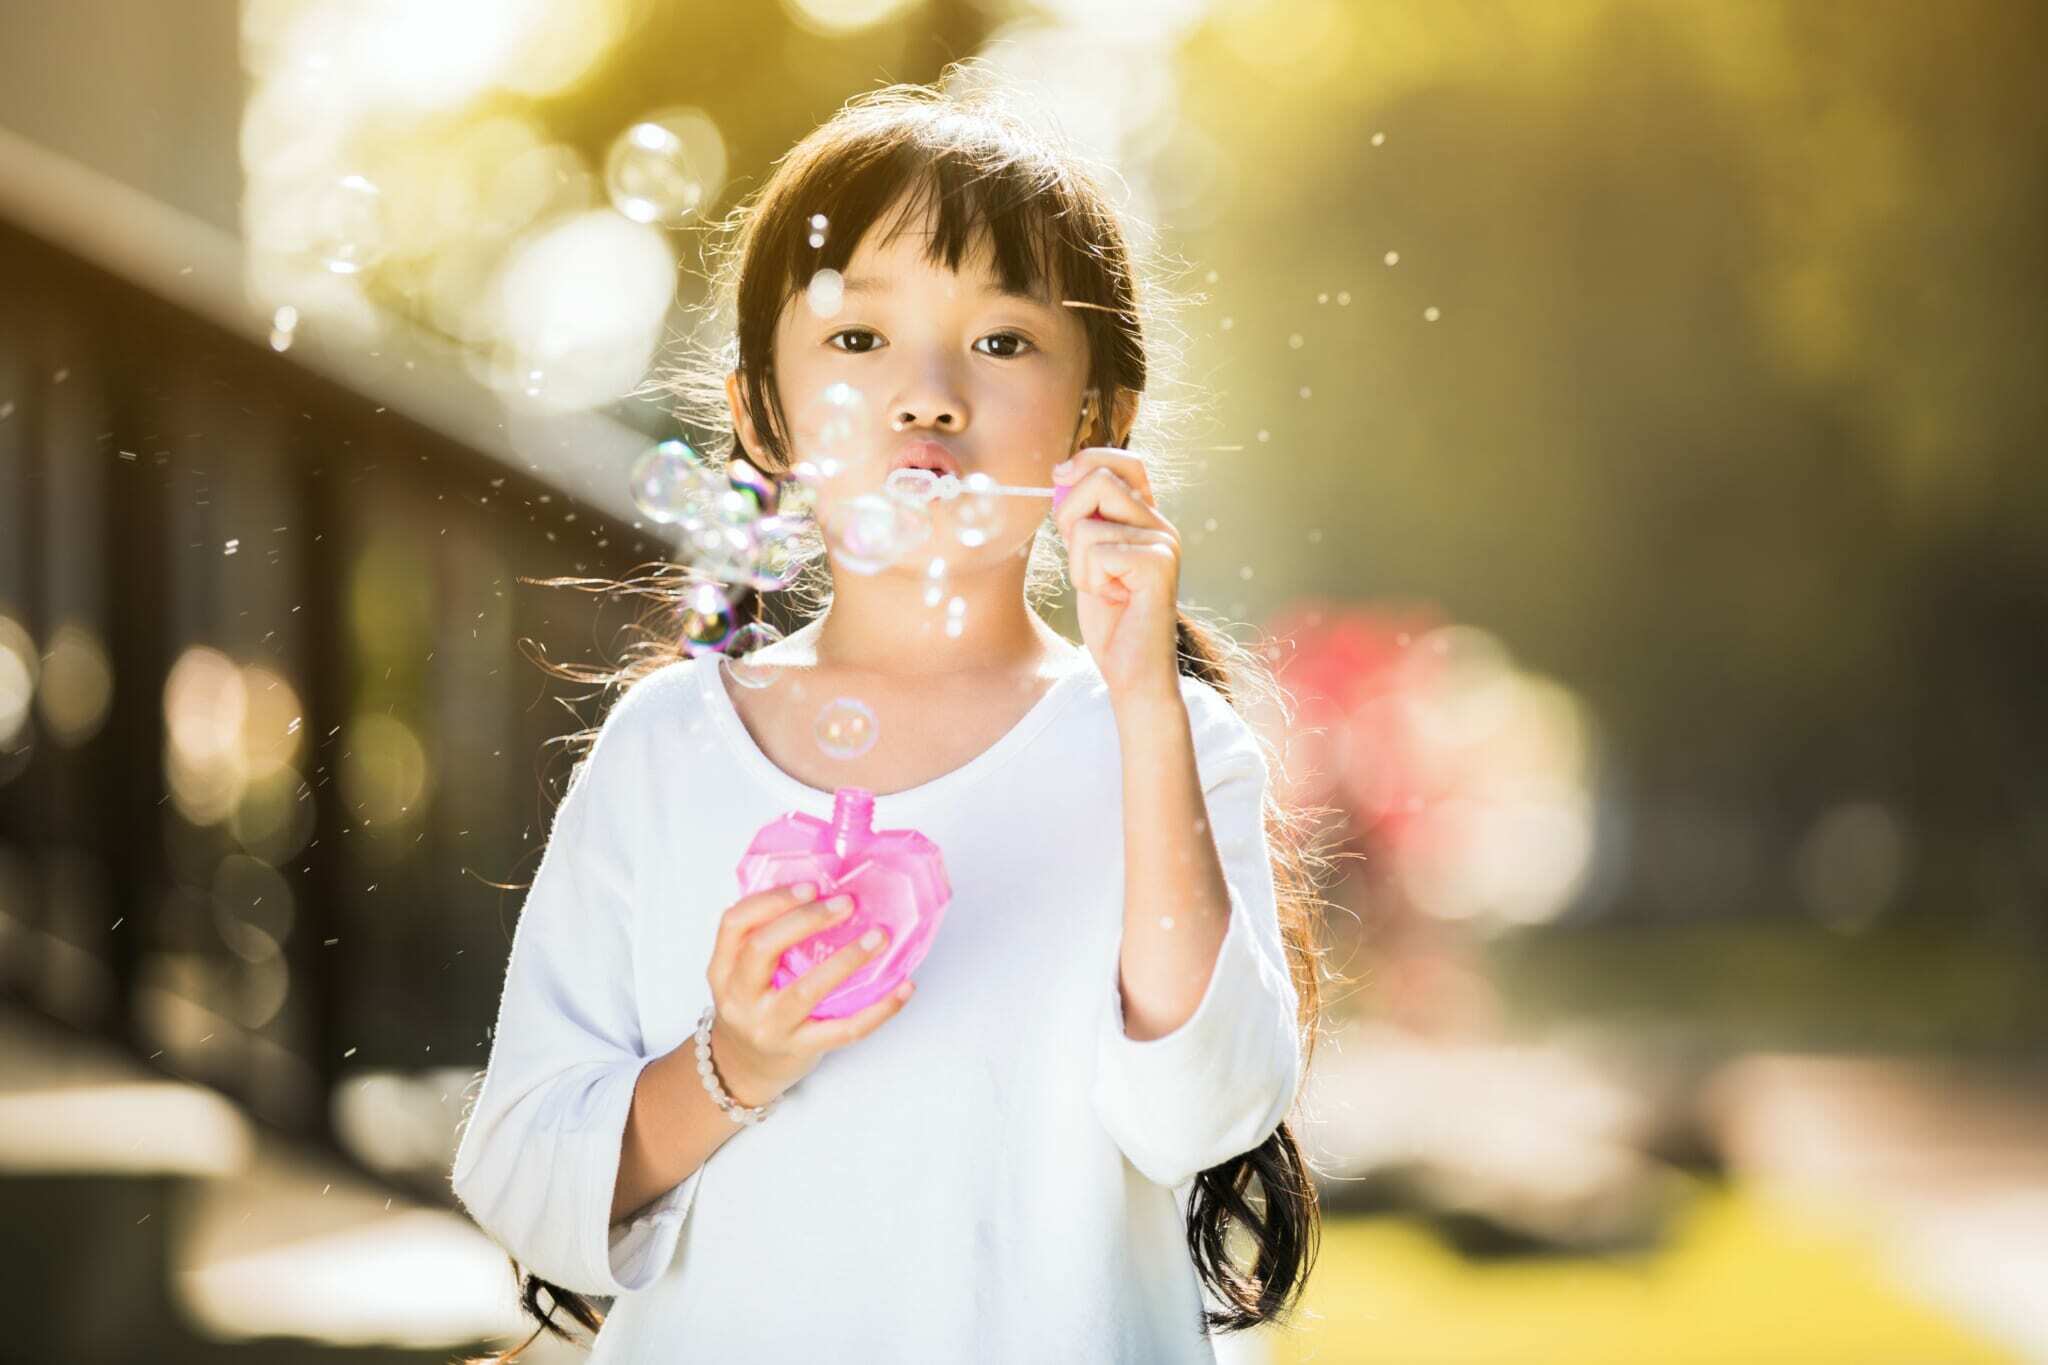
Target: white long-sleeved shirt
[{"x": 998, "y": 1173}]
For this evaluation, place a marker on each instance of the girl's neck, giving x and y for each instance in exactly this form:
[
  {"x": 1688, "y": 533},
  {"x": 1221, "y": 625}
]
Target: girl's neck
[{"x": 880, "y": 625}]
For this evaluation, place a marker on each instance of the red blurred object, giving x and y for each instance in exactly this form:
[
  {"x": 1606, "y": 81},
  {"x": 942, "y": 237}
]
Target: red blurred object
[{"x": 1350, "y": 673}]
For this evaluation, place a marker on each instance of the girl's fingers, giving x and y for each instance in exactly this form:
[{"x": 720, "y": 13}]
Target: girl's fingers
[
  {"x": 748, "y": 913},
  {"x": 1129, "y": 466},
  {"x": 762, "y": 948},
  {"x": 817, "y": 1035},
  {"x": 800, "y": 997},
  {"x": 1104, "y": 554},
  {"x": 1104, "y": 490},
  {"x": 1122, "y": 567}
]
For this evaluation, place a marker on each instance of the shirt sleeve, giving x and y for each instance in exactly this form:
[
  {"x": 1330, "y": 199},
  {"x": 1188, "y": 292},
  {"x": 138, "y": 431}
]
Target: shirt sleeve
[
  {"x": 1220, "y": 1084},
  {"x": 539, "y": 1156}
]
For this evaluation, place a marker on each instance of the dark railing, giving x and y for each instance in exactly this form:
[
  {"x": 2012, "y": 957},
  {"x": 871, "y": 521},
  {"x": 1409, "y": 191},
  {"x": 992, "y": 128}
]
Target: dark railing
[{"x": 265, "y": 863}]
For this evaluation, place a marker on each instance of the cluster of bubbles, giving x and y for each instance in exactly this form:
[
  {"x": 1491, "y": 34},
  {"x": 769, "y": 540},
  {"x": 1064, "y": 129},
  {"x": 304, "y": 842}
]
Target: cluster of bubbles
[{"x": 737, "y": 528}]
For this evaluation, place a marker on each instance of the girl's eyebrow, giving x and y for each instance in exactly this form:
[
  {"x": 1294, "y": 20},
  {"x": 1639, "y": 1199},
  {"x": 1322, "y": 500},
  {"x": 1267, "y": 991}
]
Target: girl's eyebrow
[{"x": 869, "y": 284}]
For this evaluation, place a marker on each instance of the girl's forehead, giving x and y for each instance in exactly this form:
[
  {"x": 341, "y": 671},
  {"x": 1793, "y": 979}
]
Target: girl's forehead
[{"x": 905, "y": 261}]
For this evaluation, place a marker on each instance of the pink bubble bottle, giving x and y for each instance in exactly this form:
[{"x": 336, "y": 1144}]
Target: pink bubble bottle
[{"x": 896, "y": 878}]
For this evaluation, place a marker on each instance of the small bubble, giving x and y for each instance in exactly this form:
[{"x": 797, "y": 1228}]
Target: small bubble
[
  {"x": 1379, "y": 139},
  {"x": 1166, "y": 921},
  {"x": 1315, "y": 537},
  {"x": 231, "y": 547},
  {"x": 1431, "y": 313},
  {"x": 1323, "y": 297},
  {"x": 1209, "y": 525},
  {"x": 1343, "y": 298},
  {"x": 817, "y": 239},
  {"x": 846, "y": 728},
  {"x": 1245, "y": 573},
  {"x": 1295, "y": 340},
  {"x": 652, "y": 170},
  {"x": 826, "y": 293},
  {"x": 818, "y": 222},
  {"x": 1265, "y": 435},
  {"x": 1392, "y": 258},
  {"x": 61, "y": 375},
  {"x": 1226, "y": 324},
  {"x": 1304, "y": 390},
  {"x": 1211, "y": 277}
]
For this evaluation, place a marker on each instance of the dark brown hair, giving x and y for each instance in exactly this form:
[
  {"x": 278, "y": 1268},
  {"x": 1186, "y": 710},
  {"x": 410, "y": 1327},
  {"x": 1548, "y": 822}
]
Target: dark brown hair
[{"x": 974, "y": 159}]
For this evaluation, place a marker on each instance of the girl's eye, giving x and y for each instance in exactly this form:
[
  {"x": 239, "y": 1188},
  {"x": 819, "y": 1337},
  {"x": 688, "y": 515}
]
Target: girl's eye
[
  {"x": 1022, "y": 344},
  {"x": 852, "y": 332}
]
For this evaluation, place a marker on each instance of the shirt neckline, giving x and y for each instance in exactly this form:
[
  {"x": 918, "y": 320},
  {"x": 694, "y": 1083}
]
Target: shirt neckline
[{"x": 726, "y": 720}]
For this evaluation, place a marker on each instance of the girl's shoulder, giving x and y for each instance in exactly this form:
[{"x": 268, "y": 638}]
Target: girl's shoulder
[{"x": 643, "y": 711}]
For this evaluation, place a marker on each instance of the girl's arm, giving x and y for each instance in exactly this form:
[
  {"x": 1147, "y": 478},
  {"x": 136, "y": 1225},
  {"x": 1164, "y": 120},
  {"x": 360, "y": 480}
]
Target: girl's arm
[
  {"x": 671, "y": 1130},
  {"x": 1176, "y": 904},
  {"x": 1198, "y": 1054},
  {"x": 539, "y": 1165}
]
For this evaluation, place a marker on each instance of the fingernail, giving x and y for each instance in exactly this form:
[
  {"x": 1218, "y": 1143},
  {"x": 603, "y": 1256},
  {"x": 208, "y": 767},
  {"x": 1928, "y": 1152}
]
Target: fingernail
[
  {"x": 839, "y": 904},
  {"x": 871, "y": 939},
  {"x": 806, "y": 891},
  {"x": 1061, "y": 470}
]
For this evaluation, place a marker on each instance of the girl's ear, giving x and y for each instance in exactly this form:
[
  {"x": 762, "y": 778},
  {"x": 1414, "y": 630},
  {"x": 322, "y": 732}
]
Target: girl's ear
[
  {"x": 1123, "y": 416},
  {"x": 742, "y": 419}
]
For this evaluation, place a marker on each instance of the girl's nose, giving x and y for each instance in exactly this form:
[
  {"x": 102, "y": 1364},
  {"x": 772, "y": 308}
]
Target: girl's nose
[{"x": 908, "y": 417}]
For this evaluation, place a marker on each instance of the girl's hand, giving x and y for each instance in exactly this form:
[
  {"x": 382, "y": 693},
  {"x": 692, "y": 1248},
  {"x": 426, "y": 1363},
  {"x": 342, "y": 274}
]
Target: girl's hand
[
  {"x": 763, "y": 1041},
  {"x": 1124, "y": 560}
]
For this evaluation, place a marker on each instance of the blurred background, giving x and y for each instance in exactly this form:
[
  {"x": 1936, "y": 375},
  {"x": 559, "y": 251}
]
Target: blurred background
[{"x": 1625, "y": 438}]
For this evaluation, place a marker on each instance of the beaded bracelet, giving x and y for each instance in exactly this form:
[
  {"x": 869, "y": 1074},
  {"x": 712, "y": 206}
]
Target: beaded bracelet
[{"x": 735, "y": 1111}]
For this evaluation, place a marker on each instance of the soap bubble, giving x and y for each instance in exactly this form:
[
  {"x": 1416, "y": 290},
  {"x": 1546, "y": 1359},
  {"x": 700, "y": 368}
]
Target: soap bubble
[
  {"x": 347, "y": 223},
  {"x": 664, "y": 171},
  {"x": 826, "y": 293},
  {"x": 795, "y": 499},
  {"x": 718, "y": 549},
  {"x": 833, "y": 430},
  {"x": 871, "y": 531},
  {"x": 1431, "y": 313},
  {"x": 976, "y": 511},
  {"x": 704, "y": 619},
  {"x": 935, "y": 581},
  {"x": 671, "y": 484},
  {"x": 758, "y": 490},
  {"x": 846, "y": 728},
  {"x": 778, "y": 557},
  {"x": 747, "y": 641}
]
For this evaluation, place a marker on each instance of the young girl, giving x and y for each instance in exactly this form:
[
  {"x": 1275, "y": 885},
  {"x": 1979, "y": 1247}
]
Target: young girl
[{"x": 1036, "y": 1151}]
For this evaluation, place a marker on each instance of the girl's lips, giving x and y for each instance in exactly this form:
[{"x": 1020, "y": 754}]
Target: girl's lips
[{"x": 926, "y": 455}]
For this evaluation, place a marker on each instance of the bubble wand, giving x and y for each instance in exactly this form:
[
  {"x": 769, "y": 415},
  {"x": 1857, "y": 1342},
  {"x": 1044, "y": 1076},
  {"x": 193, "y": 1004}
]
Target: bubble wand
[{"x": 923, "y": 486}]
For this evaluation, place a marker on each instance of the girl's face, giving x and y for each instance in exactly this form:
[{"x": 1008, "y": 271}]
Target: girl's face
[{"x": 904, "y": 353}]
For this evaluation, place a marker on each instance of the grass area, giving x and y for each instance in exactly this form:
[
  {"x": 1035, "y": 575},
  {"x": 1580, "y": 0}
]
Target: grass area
[{"x": 1742, "y": 1282}]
